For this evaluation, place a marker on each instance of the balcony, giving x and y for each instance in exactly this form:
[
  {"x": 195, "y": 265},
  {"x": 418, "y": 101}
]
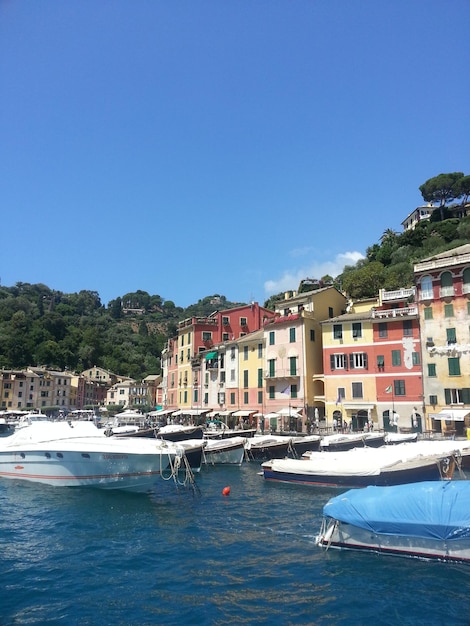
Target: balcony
[
  {"x": 446, "y": 292},
  {"x": 397, "y": 294},
  {"x": 407, "y": 311},
  {"x": 449, "y": 261},
  {"x": 281, "y": 373}
]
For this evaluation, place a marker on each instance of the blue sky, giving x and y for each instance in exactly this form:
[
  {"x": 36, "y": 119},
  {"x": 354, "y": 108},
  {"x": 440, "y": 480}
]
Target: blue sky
[{"x": 192, "y": 147}]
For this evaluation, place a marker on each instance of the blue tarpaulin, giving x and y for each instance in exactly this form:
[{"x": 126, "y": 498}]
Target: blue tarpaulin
[{"x": 433, "y": 510}]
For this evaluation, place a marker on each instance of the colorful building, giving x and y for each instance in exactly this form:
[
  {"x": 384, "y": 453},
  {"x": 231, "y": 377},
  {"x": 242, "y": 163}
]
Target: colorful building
[{"x": 443, "y": 295}]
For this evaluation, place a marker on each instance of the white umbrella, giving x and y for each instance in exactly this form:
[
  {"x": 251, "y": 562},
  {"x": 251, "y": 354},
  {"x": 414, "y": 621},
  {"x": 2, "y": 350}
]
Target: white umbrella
[{"x": 288, "y": 413}]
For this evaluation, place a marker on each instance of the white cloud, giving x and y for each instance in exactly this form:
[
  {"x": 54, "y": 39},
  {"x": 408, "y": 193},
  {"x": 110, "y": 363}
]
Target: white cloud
[{"x": 291, "y": 278}]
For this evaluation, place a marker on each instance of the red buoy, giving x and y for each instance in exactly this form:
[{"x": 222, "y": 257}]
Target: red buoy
[{"x": 226, "y": 491}]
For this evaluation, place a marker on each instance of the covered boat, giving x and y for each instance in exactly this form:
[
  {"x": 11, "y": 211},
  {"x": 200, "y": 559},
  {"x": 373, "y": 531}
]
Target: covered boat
[
  {"x": 264, "y": 447},
  {"x": 428, "y": 520},
  {"x": 229, "y": 451},
  {"x": 360, "y": 467},
  {"x": 76, "y": 454},
  {"x": 346, "y": 441}
]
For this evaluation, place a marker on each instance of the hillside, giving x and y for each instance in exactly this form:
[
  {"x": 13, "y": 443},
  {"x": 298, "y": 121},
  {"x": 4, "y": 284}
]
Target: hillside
[{"x": 41, "y": 326}]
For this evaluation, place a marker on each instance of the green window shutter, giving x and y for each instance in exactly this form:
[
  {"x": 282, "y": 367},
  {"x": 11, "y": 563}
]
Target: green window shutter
[
  {"x": 432, "y": 370},
  {"x": 451, "y": 335},
  {"x": 428, "y": 313},
  {"x": 396, "y": 357},
  {"x": 454, "y": 366}
]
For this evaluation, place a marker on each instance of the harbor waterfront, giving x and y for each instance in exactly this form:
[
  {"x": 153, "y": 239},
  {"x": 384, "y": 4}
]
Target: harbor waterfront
[{"x": 83, "y": 557}]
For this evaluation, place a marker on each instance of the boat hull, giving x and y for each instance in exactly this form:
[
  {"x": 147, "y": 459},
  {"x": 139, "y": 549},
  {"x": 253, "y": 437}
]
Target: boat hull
[
  {"x": 74, "y": 454},
  {"x": 109, "y": 470},
  {"x": 347, "y": 537},
  {"x": 387, "y": 477},
  {"x": 225, "y": 452}
]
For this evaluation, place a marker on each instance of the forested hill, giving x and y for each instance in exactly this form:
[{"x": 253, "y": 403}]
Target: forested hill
[{"x": 41, "y": 326}]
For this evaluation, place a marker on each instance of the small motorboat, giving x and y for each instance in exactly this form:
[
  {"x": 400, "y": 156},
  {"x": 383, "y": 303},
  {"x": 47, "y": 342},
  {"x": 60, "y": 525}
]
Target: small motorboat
[
  {"x": 179, "y": 432},
  {"x": 347, "y": 441},
  {"x": 229, "y": 451},
  {"x": 308, "y": 443},
  {"x": 215, "y": 429},
  {"x": 429, "y": 520},
  {"x": 265, "y": 447},
  {"x": 360, "y": 467}
]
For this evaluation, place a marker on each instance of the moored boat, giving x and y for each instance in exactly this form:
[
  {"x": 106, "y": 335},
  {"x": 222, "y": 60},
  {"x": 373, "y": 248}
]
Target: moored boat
[
  {"x": 360, "y": 467},
  {"x": 347, "y": 441},
  {"x": 75, "y": 454},
  {"x": 429, "y": 520},
  {"x": 301, "y": 445},
  {"x": 228, "y": 451},
  {"x": 264, "y": 447},
  {"x": 179, "y": 432}
]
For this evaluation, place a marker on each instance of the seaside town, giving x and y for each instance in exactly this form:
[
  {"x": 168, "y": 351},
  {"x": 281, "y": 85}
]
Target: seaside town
[{"x": 319, "y": 362}]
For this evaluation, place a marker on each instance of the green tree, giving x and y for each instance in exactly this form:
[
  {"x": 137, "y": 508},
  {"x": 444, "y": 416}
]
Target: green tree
[{"x": 442, "y": 189}]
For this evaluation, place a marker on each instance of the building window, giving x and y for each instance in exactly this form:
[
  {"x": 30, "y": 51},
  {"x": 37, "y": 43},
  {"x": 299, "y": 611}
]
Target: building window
[
  {"x": 340, "y": 396},
  {"x": 260, "y": 377},
  {"x": 433, "y": 400},
  {"x": 447, "y": 285},
  {"x": 448, "y": 310},
  {"x": 407, "y": 328},
  {"x": 243, "y": 321},
  {"x": 396, "y": 358},
  {"x": 338, "y": 361},
  {"x": 337, "y": 331},
  {"x": 293, "y": 366},
  {"x": 225, "y": 321},
  {"x": 380, "y": 362},
  {"x": 225, "y": 337},
  {"x": 426, "y": 288},
  {"x": 245, "y": 397},
  {"x": 292, "y": 335},
  {"x": 454, "y": 366},
  {"x": 260, "y": 351},
  {"x": 293, "y": 391},
  {"x": 383, "y": 332},
  {"x": 431, "y": 370},
  {"x": 271, "y": 338},
  {"x": 428, "y": 313},
  {"x": 399, "y": 388},
  {"x": 271, "y": 392},
  {"x": 357, "y": 330},
  {"x": 330, "y": 312},
  {"x": 356, "y": 389},
  {"x": 206, "y": 335},
  {"x": 453, "y": 396},
  {"x": 416, "y": 358},
  {"x": 245, "y": 353},
  {"x": 260, "y": 397},
  {"x": 271, "y": 367},
  {"x": 245, "y": 379},
  {"x": 312, "y": 334},
  {"x": 358, "y": 360},
  {"x": 232, "y": 398},
  {"x": 451, "y": 336}
]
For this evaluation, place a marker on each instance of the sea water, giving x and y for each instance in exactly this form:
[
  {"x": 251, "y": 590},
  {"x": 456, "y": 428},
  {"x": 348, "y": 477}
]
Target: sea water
[{"x": 78, "y": 556}]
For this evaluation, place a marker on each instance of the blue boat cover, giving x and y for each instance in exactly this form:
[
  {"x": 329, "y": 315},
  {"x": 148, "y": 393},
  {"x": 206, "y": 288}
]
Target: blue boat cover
[{"x": 433, "y": 510}]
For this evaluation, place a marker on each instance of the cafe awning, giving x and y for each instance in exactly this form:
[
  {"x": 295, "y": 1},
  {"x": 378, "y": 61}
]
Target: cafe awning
[
  {"x": 210, "y": 355},
  {"x": 243, "y": 413},
  {"x": 456, "y": 415}
]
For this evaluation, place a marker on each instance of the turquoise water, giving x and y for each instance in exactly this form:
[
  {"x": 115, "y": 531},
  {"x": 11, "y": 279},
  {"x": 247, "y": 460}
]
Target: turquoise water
[{"x": 82, "y": 556}]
